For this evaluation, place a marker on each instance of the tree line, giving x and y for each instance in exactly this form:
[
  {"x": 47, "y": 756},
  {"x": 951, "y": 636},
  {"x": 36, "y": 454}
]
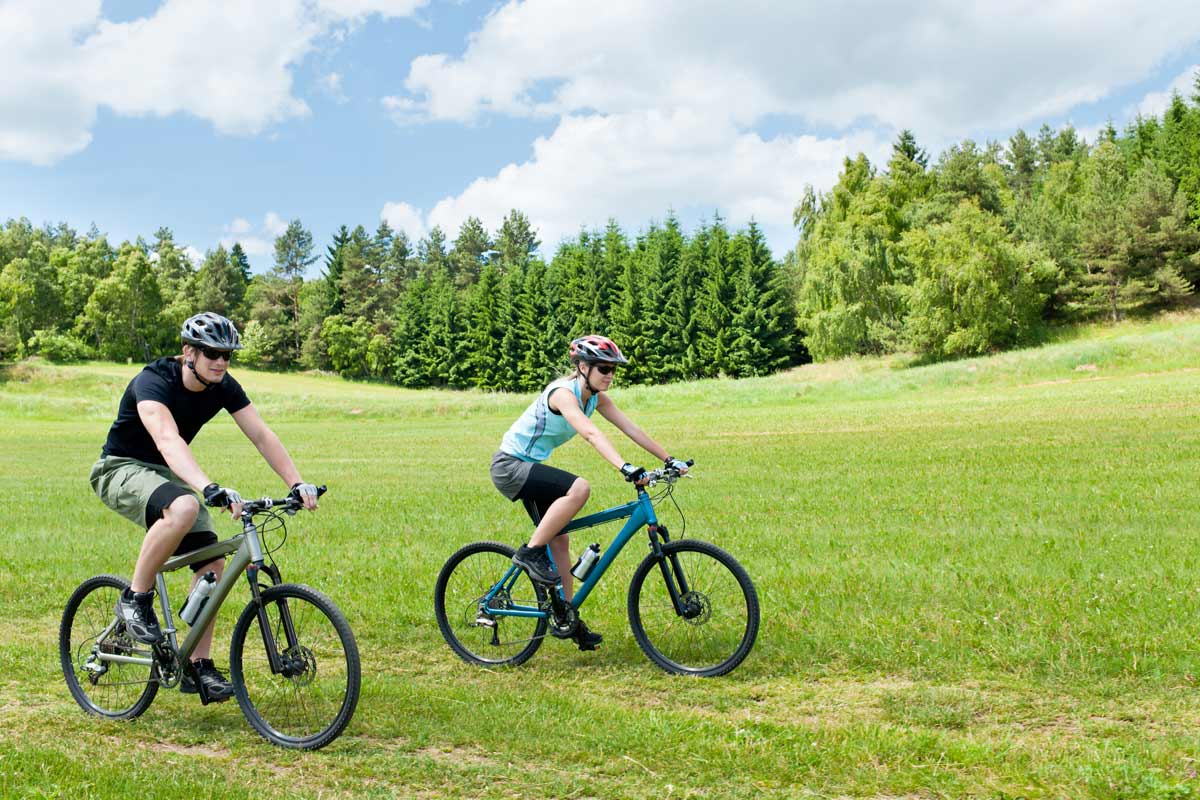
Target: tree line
[
  {"x": 483, "y": 310},
  {"x": 982, "y": 249},
  {"x": 987, "y": 247}
]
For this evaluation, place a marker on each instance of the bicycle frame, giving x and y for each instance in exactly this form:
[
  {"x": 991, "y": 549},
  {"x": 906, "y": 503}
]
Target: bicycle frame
[
  {"x": 640, "y": 513},
  {"x": 247, "y": 557}
]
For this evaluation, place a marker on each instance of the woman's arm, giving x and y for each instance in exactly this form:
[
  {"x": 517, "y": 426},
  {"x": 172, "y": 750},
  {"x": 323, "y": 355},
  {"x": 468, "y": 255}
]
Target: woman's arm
[
  {"x": 574, "y": 415},
  {"x": 608, "y": 409}
]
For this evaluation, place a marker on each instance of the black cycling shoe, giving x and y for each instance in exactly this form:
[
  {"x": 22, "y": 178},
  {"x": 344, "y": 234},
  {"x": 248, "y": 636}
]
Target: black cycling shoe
[
  {"x": 135, "y": 609},
  {"x": 537, "y": 563},
  {"x": 219, "y": 690},
  {"x": 585, "y": 638}
]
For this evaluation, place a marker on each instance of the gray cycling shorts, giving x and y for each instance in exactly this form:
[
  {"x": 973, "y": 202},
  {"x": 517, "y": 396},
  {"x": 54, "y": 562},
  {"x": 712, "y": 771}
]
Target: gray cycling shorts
[
  {"x": 509, "y": 473},
  {"x": 134, "y": 489}
]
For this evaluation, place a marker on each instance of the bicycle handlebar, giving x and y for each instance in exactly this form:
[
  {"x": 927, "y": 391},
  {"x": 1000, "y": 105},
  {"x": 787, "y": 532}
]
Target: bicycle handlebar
[
  {"x": 666, "y": 473},
  {"x": 291, "y": 504}
]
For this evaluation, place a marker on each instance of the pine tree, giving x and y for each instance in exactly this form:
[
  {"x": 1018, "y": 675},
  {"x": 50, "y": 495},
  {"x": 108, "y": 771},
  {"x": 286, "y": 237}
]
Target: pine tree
[
  {"x": 486, "y": 315},
  {"x": 334, "y": 262},
  {"x": 516, "y": 240},
  {"x": 467, "y": 257},
  {"x": 763, "y": 318},
  {"x": 238, "y": 256},
  {"x": 1021, "y": 161},
  {"x": 663, "y": 334},
  {"x": 715, "y": 305},
  {"x": 293, "y": 256},
  {"x": 218, "y": 284}
]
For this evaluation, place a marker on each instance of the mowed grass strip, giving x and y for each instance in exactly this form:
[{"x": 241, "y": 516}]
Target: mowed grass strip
[{"x": 978, "y": 579}]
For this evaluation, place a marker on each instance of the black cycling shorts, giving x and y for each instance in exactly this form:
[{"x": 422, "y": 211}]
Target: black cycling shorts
[
  {"x": 544, "y": 485},
  {"x": 162, "y": 497}
]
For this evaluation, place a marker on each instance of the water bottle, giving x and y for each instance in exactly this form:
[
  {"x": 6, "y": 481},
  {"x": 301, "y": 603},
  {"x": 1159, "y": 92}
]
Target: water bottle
[
  {"x": 198, "y": 598},
  {"x": 586, "y": 559}
]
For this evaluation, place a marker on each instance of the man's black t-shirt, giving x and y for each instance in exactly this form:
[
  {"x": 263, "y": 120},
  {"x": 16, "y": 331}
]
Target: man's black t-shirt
[{"x": 162, "y": 381}]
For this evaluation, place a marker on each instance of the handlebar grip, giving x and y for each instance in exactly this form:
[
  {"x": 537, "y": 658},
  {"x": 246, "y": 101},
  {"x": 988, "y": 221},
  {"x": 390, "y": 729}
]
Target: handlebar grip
[{"x": 322, "y": 489}]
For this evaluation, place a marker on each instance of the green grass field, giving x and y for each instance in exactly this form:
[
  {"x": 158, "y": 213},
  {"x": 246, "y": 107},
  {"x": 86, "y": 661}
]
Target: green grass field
[{"x": 979, "y": 578}]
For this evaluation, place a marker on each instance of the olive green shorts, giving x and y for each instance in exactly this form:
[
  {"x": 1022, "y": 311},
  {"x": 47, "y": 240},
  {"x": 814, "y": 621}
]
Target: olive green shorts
[{"x": 139, "y": 491}]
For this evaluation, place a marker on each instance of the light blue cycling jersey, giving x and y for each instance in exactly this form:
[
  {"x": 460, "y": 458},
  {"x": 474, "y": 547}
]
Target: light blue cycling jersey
[{"x": 539, "y": 430}]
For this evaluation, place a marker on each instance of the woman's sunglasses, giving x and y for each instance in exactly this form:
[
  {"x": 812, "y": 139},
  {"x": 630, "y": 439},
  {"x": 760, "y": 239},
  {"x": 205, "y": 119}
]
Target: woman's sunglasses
[
  {"x": 605, "y": 369},
  {"x": 212, "y": 354}
]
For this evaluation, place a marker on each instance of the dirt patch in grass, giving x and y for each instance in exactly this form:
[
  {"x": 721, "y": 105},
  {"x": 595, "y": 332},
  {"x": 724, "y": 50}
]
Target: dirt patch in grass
[{"x": 456, "y": 755}]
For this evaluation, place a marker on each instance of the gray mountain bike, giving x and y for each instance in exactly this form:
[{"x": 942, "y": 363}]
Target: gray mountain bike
[{"x": 297, "y": 678}]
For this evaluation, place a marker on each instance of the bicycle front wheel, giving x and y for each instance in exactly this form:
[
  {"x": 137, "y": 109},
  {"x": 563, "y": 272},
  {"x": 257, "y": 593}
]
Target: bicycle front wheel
[
  {"x": 307, "y": 698},
  {"x": 464, "y": 614},
  {"x": 713, "y": 626},
  {"x": 89, "y": 632}
]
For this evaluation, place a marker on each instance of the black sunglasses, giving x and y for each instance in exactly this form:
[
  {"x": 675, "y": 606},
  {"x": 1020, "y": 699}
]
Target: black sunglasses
[
  {"x": 605, "y": 369},
  {"x": 213, "y": 354}
]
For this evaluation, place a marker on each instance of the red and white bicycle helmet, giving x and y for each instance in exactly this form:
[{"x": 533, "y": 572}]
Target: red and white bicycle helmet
[{"x": 596, "y": 350}]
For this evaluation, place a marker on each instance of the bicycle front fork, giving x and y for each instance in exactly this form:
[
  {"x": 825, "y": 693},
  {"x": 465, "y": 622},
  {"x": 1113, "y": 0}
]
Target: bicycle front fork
[{"x": 673, "y": 575}]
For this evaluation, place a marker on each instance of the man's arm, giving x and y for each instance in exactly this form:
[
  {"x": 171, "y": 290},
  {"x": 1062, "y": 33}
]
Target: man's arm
[
  {"x": 161, "y": 426},
  {"x": 272, "y": 449},
  {"x": 268, "y": 444}
]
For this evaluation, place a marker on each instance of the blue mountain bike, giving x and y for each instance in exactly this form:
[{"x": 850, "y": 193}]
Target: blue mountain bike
[{"x": 692, "y": 607}]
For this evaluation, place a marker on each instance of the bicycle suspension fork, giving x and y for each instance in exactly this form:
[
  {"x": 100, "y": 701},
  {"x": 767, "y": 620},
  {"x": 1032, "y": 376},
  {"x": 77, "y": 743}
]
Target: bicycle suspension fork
[
  {"x": 672, "y": 570},
  {"x": 258, "y": 564}
]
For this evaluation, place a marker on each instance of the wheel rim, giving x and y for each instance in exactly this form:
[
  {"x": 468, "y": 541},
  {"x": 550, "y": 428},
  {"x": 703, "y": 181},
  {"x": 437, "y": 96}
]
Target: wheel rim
[
  {"x": 109, "y": 688},
  {"x": 716, "y": 615},
  {"x": 463, "y": 598},
  {"x": 306, "y": 698}
]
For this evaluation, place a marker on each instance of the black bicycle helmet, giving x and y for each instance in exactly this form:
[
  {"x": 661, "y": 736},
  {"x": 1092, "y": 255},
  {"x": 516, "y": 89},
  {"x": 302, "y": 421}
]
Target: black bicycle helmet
[{"x": 210, "y": 330}]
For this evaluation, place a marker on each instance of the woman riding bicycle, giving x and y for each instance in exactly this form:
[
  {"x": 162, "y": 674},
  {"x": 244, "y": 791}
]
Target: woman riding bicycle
[{"x": 551, "y": 496}]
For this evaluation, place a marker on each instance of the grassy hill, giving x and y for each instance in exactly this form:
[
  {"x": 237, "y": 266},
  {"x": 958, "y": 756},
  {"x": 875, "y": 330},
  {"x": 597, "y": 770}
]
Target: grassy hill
[{"x": 977, "y": 578}]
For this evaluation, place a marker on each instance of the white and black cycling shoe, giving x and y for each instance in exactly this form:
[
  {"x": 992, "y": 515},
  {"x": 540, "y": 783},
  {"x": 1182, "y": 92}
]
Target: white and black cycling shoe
[
  {"x": 537, "y": 563},
  {"x": 135, "y": 609}
]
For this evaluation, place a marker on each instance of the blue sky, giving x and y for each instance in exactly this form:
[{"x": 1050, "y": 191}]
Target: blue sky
[{"x": 223, "y": 120}]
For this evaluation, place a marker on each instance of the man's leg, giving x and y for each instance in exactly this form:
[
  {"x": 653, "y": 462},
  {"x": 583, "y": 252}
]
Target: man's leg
[
  {"x": 204, "y": 643},
  {"x": 162, "y": 538}
]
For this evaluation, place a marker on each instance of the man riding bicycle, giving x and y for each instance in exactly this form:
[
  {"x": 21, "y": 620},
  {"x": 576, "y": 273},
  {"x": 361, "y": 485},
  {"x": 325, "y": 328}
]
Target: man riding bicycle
[{"x": 146, "y": 468}]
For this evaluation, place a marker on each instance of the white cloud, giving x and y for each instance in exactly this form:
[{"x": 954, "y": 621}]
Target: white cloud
[
  {"x": 635, "y": 166},
  {"x": 1155, "y": 103},
  {"x": 659, "y": 104},
  {"x": 940, "y": 67},
  {"x": 257, "y": 242},
  {"x": 331, "y": 85},
  {"x": 45, "y": 113},
  {"x": 239, "y": 225},
  {"x": 193, "y": 255},
  {"x": 274, "y": 224},
  {"x": 357, "y": 9},
  {"x": 224, "y": 61},
  {"x": 404, "y": 217}
]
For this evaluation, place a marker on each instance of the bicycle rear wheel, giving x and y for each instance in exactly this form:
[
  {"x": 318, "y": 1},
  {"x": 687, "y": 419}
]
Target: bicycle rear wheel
[
  {"x": 310, "y": 700},
  {"x": 717, "y": 622},
  {"x": 462, "y": 614},
  {"x": 89, "y": 629}
]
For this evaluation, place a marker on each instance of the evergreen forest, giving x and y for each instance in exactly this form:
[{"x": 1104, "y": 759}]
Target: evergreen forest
[{"x": 983, "y": 248}]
